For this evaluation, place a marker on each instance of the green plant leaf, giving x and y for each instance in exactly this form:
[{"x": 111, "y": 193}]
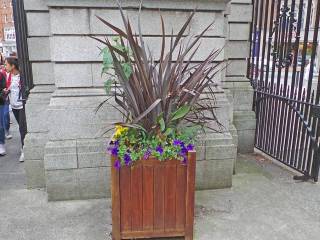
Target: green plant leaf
[
  {"x": 107, "y": 60},
  {"x": 181, "y": 112},
  {"x": 127, "y": 69},
  {"x": 107, "y": 57},
  {"x": 108, "y": 85},
  {"x": 168, "y": 132},
  {"x": 162, "y": 124}
]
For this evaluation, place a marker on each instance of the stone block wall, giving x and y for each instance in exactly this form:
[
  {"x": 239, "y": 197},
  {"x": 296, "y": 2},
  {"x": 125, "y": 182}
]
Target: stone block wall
[
  {"x": 43, "y": 76},
  {"x": 65, "y": 148},
  {"x": 238, "y": 85}
]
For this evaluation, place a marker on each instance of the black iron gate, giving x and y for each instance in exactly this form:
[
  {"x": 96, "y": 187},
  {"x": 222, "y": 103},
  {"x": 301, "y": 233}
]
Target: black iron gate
[
  {"x": 20, "y": 23},
  {"x": 284, "y": 71}
]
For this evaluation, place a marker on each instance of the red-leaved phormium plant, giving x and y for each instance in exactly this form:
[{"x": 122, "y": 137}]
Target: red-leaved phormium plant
[{"x": 157, "y": 95}]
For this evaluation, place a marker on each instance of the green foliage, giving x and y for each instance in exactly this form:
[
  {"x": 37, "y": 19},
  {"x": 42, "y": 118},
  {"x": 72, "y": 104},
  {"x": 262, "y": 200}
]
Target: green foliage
[
  {"x": 108, "y": 85},
  {"x": 181, "y": 113},
  {"x": 163, "y": 100},
  {"x": 135, "y": 145},
  {"x": 170, "y": 85},
  {"x": 127, "y": 69},
  {"x": 108, "y": 64},
  {"x": 161, "y": 122}
]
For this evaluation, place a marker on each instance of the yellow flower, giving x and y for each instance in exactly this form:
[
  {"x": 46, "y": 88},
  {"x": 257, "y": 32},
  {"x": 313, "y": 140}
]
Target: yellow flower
[{"x": 119, "y": 131}]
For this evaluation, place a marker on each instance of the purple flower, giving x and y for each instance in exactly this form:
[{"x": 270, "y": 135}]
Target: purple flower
[
  {"x": 116, "y": 143},
  {"x": 127, "y": 159},
  {"x": 117, "y": 164},
  {"x": 159, "y": 149},
  {"x": 184, "y": 151},
  {"x": 113, "y": 150},
  {"x": 147, "y": 154},
  {"x": 177, "y": 142},
  {"x": 190, "y": 147}
]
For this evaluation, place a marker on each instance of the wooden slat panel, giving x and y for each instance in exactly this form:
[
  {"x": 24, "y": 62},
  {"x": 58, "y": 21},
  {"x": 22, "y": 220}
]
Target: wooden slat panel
[
  {"x": 159, "y": 172},
  {"x": 191, "y": 173},
  {"x": 115, "y": 194},
  {"x": 170, "y": 196},
  {"x": 181, "y": 196},
  {"x": 136, "y": 198},
  {"x": 147, "y": 198},
  {"x": 125, "y": 185}
]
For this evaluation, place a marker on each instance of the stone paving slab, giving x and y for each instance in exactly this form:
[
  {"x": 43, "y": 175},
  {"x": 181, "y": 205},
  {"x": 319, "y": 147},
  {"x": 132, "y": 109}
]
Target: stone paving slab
[
  {"x": 12, "y": 173},
  {"x": 264, "y": 204}
]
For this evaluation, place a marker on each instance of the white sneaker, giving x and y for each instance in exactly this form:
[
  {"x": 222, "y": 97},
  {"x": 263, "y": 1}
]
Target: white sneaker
[
  {"x": 8, "y": 135},
  {"x": 21, "y": 158},
  {"x": 2, "y": 150}
]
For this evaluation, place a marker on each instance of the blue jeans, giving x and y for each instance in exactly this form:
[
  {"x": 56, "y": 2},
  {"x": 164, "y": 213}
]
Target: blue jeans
[
  {"x": 6, "y": 116},
  {"x": 2, "y": 133}
]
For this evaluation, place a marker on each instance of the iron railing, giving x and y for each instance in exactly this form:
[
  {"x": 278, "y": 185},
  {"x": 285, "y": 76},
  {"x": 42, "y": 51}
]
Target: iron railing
[
  {"x": 282, "y": 71},
  {"x": 20, "y": 23}
]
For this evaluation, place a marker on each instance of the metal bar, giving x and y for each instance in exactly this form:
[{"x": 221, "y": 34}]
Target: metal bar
[
  {"x": 264, "y": 82},
  {"x": 268, "y": 103},
  {"x": 308, "y": 92},
  {"x": 260, "y": 14},
  {"x": 306, "y": 156},
  {"x": 281, "y": 148},
  {"x": 250, "y": 42},
  {"x": 278, "y": 121},
  {"x": 22, "y": 45},
  {"x": 256, "y": 7},
  {"x": 266, "y": 14},
  {"x": 273, "y": 102},
  {"x": 304, "y": 49},
  {"x": 283, "y": 23},
  {"x": 298, "y": 131},
  {"x": 285, "y": 115},
  {"x": 289, "y": 118},
  {"x": 294, "y": 134},
  {"x": 316, "y": 155},
  {"x": 296, "y": 48},
  {"x": 316, "y": 158},
  {"x": 315, "y": 40}
]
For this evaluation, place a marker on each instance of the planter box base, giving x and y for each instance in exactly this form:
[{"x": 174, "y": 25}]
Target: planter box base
[{"x": 154, "y": 199}]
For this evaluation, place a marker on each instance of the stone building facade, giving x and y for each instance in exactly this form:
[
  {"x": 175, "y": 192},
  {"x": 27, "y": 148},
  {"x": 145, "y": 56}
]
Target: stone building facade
[
  {"x": 7, "y": 31},
  {"x": 65, "y": 147}
]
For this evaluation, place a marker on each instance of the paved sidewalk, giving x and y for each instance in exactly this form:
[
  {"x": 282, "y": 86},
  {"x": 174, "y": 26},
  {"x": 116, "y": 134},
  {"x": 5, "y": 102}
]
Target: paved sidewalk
[
  {"x": 12, "y": 175},
  {"x": 264, "y": 204}
]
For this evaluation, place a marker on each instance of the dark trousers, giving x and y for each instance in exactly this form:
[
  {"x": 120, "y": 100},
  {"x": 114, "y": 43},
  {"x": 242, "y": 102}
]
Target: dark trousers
[
  {"x": 2, "y": 132},
  {"x": 6, "y": 116},
  {"x": 20, "y": 116}
]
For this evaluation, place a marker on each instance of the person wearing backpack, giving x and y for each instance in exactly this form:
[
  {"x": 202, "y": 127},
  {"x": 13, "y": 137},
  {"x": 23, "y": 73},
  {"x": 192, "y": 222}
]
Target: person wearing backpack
[{"x": 15, "y": 96}]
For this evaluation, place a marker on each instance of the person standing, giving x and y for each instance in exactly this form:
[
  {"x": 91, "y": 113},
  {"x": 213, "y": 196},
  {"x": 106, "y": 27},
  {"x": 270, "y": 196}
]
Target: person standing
[
  {"x": 6, "y": 108},
  {"x": 6, "y": 114},
  {"x": 3, "y": 95},
  {"x": 16, "y": 101}
]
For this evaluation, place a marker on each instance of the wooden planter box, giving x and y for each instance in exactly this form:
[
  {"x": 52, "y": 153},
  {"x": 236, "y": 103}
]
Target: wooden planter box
[{"x": 153, "y": 199}]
